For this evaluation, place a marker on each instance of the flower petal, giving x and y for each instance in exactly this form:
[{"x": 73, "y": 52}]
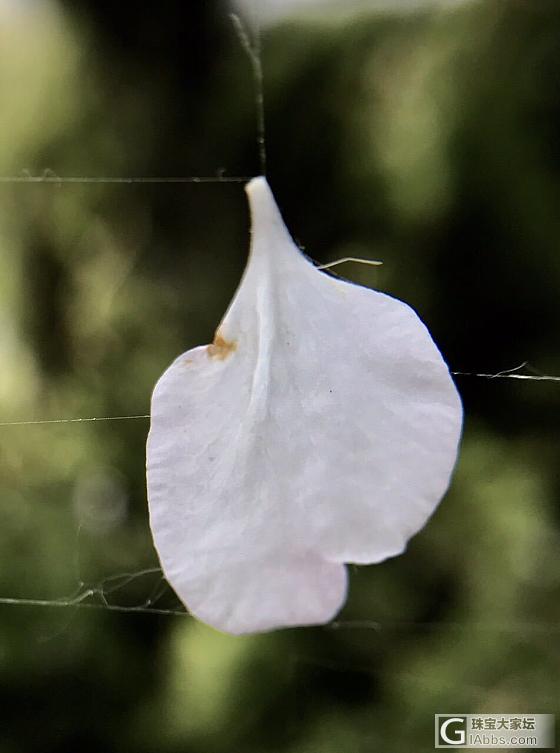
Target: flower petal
[{"x": 320, "y": 427}]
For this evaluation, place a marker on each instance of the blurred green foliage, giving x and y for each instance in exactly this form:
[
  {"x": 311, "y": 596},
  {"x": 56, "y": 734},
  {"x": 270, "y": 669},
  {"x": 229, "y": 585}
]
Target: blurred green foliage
[{"x": 429, "y": 141}]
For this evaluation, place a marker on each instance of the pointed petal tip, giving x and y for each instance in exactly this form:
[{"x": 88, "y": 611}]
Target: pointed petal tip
[
  {"x": 258, "y": 192},
  {"x": 255, "y": 182},
  {"x": 266, "y": 220}
]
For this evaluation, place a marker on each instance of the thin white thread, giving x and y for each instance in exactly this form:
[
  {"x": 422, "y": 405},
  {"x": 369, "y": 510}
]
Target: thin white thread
[
  {"x": 370, "y": 262},
  {"x": 498, "y": 627},
  {"x": 511, "y": 374},
  {"x": 115, "y": 583},
  {"x": 527, "y": 377},
  {"x": 252, "y": 48},
  {"x": 85, "y": 179},
  {"x": 79, "y": 600},
  {"x": 505, "y": 374},
  {"x": 72, "y": 420},
  {"x": 78, "y": 604}
]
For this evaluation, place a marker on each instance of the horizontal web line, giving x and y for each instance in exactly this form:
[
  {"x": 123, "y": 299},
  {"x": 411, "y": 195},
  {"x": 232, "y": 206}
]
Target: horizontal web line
[
  {"x": 500, "y": 375},
  {"x": 72, "y": 420},
  {"x": 508, "y": 375},
  {"x": 52, "y": 178},
  {"x": 6, "y": 601},
  {"x": 498, "y": 627},
  {"x": 336, "y": 625}
]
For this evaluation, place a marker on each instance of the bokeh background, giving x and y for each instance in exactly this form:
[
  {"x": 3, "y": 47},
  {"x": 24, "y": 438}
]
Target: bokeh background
[{"x": 428, "y": 139}]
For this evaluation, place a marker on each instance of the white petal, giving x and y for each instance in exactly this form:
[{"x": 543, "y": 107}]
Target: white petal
[{"x": 320, "y": 427}]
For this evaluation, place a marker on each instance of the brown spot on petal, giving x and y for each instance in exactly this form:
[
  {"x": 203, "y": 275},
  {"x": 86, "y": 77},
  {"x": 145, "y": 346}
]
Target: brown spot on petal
[{"x": 221, "y": 348}]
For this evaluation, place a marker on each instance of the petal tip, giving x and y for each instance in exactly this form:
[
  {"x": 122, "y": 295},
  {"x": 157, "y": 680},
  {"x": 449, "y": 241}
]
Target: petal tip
[
  {"x": 267, "y": 225},
  {"x": 259, "y": 195},
  {"x": 255, "y": 183}
]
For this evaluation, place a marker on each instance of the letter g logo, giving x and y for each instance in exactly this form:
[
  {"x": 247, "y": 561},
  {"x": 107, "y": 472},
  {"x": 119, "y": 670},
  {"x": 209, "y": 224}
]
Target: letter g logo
[{"x": 452, "y": 730}]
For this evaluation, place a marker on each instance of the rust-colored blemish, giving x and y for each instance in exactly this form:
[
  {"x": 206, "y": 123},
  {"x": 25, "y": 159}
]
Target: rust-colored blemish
[{"x": 221, "y": 348}]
